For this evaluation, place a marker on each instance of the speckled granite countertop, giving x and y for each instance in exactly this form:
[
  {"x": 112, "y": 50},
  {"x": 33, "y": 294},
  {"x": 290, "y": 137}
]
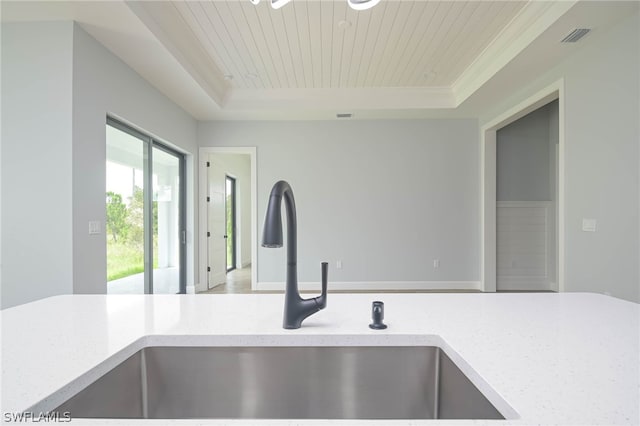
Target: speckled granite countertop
[{"x": 570, "y": 358}]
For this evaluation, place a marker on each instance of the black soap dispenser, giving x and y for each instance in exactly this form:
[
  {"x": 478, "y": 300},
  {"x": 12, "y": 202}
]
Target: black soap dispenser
[{"x": 377, "y": 315}]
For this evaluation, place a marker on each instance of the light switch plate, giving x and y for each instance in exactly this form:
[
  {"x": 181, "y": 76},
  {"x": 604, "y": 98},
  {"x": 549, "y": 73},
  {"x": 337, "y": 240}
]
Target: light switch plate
[
  {"x": 94, "y": 227},
  {"x": 589, "y": 225}
]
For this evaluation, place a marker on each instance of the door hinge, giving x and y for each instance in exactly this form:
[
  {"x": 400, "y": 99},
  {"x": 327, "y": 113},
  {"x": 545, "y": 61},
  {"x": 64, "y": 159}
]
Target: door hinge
[
  {"x": 208, "y": 199},
  {"x": 208, "y": 234},
  {"x": 208, "y": 164},
  {"x": 208, "y": 268}
]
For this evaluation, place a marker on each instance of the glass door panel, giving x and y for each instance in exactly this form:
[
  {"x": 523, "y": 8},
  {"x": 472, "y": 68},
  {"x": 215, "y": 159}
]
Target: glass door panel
[
  {"x": 125, "y": 212},
  {"x": 230, "y": 222},
  {"x": 166, "y": 222}
]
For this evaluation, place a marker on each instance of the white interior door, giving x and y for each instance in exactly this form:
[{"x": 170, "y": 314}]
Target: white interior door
[{"x": 216, "y": 243}]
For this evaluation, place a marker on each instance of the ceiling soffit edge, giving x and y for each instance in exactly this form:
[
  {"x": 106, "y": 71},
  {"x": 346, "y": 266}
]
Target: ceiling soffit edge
[
  {"x": 183, "y": 46},
  {"x": 533, "y": 20}
]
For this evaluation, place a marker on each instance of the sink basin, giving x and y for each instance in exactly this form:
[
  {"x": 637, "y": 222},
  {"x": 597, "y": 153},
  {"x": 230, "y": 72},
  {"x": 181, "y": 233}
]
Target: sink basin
[{"x": 357, "y": 382}]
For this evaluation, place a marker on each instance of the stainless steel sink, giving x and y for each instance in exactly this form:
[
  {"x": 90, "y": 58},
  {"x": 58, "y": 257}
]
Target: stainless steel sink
[{"x": 382, "y": 382}]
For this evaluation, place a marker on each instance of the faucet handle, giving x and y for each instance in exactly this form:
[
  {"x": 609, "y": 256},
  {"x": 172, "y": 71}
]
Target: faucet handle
[
  {"x": 325, "y": 271},
  {"x": 321, "y": 300}
]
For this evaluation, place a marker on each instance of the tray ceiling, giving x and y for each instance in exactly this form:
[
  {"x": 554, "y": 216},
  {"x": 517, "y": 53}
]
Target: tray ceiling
[{"x": 322, "y": 55}]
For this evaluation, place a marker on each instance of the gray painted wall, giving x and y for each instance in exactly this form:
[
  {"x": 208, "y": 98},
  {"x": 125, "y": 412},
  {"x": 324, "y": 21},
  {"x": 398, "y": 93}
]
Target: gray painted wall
[
  {"x": 36, "y": 161},
  {"x": 59, "y": 84},
  {"x": 602, "y": 136},
  {"x": 385, "y": 197}
]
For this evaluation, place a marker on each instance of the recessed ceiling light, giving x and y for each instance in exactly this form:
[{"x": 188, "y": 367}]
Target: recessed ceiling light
[
  {"x": 343, "y": 25},
  {"x": 344, "y": 115},
  {"x": 251, "y": 75},
  {"x": 228, "y": 77},
  {"x": 430, "y": 74}
]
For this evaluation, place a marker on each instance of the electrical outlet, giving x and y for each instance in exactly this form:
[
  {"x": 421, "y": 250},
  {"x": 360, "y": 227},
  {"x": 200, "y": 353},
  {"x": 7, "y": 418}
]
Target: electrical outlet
[
  {"x": 338, "y": 264},
  {"x": 436, "y": 263},
  {"x": 589, "y": 225}
]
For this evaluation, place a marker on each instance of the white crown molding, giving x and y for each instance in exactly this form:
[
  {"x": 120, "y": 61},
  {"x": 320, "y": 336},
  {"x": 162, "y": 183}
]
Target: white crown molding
[
  {"x": 387, "y": 98},
  {"x": 533, "y": 20},
  {"x": 184, "y": 47}
]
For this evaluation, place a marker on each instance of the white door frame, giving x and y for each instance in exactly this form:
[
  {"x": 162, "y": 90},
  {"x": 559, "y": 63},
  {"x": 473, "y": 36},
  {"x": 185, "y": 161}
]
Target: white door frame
[
  {"x": 488, "y": 181},
  {"x": 203, "y": 156}
]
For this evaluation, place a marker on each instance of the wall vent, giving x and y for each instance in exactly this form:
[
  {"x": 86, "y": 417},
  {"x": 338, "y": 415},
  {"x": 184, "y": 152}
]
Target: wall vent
[
  {"x": 575, "y": 35},
  {"x": 344, "y": 115}
]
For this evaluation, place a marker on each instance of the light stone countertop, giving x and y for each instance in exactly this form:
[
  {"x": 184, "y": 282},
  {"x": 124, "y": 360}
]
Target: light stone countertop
[{"x": 549, "y": 359}]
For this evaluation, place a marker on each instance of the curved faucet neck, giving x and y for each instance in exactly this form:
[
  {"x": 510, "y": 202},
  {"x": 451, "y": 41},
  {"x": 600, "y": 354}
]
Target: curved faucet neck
[
  {"x": 282, "y": 192},
  {"x": 292, "y": 239}
]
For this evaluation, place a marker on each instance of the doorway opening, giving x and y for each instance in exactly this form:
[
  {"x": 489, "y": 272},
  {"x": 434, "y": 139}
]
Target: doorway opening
[
  {"x": 228, "y": 242},
  {"x": 230, "y": 222},
  {"x": 526, "y": 207},
  {"x": 547, "y": 240}
]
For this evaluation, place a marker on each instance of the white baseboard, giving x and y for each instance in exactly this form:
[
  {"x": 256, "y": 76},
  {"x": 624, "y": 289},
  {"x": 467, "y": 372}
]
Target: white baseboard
[
  {"x": 245, "y": 265},
  {"x": 524, "y": 284},
  {"x": 192, "y": 289},
  {"x": 199, "y": 287},
  {"x": 376, "y": 285}
]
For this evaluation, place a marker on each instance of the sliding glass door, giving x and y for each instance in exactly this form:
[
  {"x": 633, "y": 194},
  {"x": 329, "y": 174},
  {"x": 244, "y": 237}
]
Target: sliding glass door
[{"x": 145, "y": 214}]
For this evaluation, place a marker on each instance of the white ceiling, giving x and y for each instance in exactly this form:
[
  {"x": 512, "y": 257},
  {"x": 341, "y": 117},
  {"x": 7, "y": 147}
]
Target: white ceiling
[{"x": 229, "y": 59}]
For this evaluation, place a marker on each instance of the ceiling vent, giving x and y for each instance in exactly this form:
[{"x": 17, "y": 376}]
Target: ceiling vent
[
  {"x": 344, "y": 115},
  {"x": 575, "y": 35}
]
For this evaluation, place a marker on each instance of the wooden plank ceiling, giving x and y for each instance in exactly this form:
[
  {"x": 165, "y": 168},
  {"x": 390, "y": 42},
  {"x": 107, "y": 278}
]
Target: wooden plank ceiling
[{"x": 311, "y": 44}]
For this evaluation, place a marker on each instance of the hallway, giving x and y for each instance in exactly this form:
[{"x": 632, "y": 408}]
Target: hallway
[{"x": 238, "y": 282}]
